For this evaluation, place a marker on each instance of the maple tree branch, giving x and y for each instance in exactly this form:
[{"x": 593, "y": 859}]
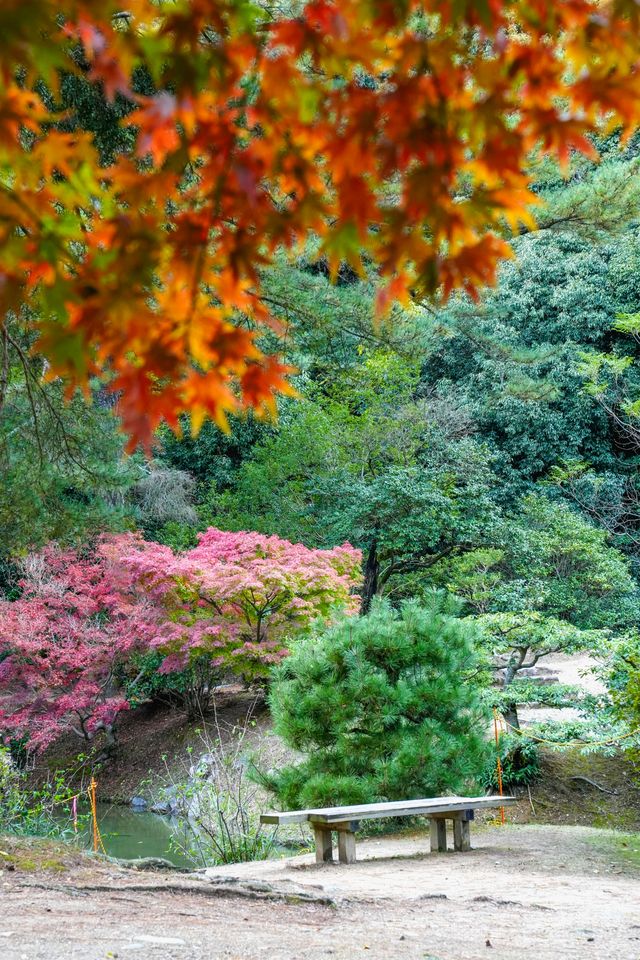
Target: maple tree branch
[
  {"x": 414, "y": 566},
  {"x": 215, "y": 198},
  {"x": 535, "y": 657},
  {"x": 505, "y": 631},
  {"x": 307, "y": 315},
  {"x": 27, "y": 378},
  {"x": 20, "y": 202},
  {"x": 213, "y": 603},
  {"x": 31, "y": 382}
]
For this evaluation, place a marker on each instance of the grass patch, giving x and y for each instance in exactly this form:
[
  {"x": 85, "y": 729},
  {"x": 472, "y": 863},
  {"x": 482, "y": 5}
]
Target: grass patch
[
  {"x": 620, "y": 849},
  {"x": 34, "y": 855}
]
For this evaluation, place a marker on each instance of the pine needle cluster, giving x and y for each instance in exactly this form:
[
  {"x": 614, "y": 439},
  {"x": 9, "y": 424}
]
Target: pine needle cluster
[{"x": 382, "y": 708}]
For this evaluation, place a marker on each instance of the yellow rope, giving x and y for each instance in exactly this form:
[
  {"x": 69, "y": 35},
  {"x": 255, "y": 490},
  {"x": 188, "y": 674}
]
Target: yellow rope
[
  {"x": 97, "y": 839},
  {"x": 56, "y": 803}
]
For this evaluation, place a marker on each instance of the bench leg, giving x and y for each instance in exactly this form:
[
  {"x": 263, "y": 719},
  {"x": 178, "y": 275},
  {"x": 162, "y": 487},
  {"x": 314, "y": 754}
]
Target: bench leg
[
  {"x": 461, "y": 835},
  {"x": 438, "y": 835},
  {"x": 324, "y": 845},
  {"x": 346, "y": 846}
]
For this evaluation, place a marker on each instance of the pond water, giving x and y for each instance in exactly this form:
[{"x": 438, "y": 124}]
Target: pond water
[{"x": 129, "y": 835}]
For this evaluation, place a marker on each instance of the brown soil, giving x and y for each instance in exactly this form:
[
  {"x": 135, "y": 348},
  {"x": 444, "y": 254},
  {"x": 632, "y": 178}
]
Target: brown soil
[
  {"x": 549, "y": 893},
  {"x": 151, "y": 740},
  {"x": 563, "y": 794}
]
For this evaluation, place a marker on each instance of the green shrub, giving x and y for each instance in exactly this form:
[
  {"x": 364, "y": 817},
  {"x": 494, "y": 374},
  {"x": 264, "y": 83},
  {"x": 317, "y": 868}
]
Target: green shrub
[
  {"x": 24, "y": 811},
  {"x": 217, "y": 804},
  {"x": 623, "y": 680},
  {"x": 382, "y": 709},
  {"x": 520, "y": 760},
  {"x": 190, "y": 689},
  {"x": 10, "y": 798}
]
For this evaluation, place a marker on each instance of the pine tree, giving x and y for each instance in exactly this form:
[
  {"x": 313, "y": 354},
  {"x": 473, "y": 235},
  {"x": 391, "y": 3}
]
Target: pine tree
[{"x": 381, "y": 707}]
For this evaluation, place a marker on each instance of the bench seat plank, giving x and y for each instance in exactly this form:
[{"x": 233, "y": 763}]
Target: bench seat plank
[
  {"x": 396, "y": 808},
  {"x": 294, "y": 816},
  {"x": 405, "y": 808}
]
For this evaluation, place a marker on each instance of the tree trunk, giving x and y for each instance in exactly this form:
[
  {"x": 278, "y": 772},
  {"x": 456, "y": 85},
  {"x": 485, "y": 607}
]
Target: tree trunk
[
  {"x": 371, "y": 573},
  {"x": 510, "y": 714},
  {"x": 110, "y": 742},
  {"x": 510, "y": 709}
]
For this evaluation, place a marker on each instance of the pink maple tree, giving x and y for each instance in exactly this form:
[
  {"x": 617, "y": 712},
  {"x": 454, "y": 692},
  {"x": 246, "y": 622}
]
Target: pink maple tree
[
  {"x": 235, "y": 601},
  {"x": 231, "y": 605},
  {"x": 61, "y": 644}
]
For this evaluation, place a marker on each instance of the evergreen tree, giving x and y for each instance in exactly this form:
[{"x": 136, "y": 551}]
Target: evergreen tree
[
  {"x": 381, "y": 708},
  {"x": 372, "y": 462}
]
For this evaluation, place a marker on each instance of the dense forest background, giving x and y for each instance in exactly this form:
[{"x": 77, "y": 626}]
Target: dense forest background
[
  {"x": 299, "y": 508},
  {"x": 489, "y": 448}
]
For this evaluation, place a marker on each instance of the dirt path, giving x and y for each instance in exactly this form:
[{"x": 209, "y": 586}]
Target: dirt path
[{"x": 549, "y": 893}]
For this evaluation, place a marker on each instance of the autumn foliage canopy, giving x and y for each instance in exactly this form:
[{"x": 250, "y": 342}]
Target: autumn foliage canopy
[
  {"x": 231, "y": 606},
  {"x": 395, "y": 131},
  {"x": 61, "y": 643},
  {"x": 236, "y": 599}
]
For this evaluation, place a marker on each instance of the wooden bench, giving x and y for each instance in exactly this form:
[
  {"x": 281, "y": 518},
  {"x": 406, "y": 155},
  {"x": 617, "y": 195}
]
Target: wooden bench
[{"x": 345, "y": 821}]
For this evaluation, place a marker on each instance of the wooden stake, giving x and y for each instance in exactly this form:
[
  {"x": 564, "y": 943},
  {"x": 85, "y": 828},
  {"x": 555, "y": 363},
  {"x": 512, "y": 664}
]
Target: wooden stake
[{"x": 498, "y": 763}]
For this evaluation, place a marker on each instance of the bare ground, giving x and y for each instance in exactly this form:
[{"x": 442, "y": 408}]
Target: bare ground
[
  {"x": 538, "y": 888},
  {"x": 537, "y": 891}
]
